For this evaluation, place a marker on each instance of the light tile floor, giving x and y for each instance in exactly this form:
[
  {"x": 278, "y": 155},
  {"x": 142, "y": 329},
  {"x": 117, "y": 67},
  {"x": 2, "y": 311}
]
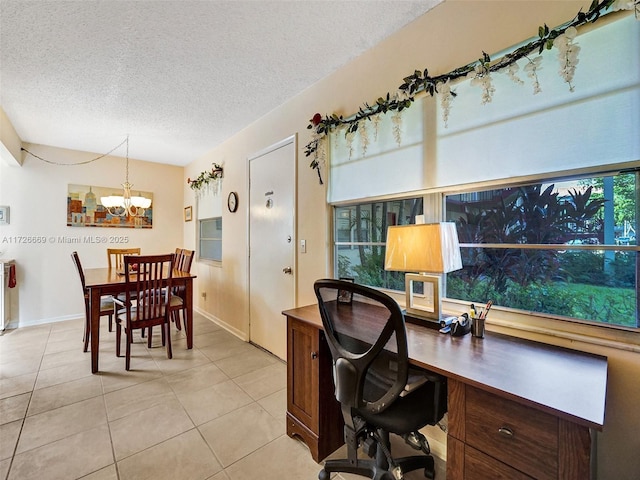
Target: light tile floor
[{"x": 214, "y": 412}]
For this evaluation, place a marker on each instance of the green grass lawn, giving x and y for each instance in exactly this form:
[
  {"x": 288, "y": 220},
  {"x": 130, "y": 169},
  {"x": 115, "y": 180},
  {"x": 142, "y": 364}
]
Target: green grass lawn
[{"x": 612, "y": 305}]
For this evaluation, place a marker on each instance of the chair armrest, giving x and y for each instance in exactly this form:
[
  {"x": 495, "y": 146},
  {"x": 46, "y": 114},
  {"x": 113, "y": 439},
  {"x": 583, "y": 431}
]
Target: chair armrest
[{"x": 417, "y": 378}]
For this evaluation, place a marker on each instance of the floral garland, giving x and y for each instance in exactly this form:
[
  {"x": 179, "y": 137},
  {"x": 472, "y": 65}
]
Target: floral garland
[
  {"x": 479, "y": 72},
  {"x": 205, "y": 178}
]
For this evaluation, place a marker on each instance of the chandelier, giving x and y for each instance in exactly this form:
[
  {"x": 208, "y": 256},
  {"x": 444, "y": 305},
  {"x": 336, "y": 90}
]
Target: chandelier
[{"x": 125, "y": 204}]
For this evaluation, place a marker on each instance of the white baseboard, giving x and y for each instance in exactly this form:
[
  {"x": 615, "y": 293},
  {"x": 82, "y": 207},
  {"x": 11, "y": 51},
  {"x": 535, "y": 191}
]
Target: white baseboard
[
  {"x": 42, "y": 321},
  {"x": 232, "y": 330}
]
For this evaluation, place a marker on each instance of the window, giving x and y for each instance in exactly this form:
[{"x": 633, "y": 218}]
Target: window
[
  {"x": 209, "y": 215},
  {"x": 565, "y": 248},
  {"x": 360, "y": 236},
  {"x": 211, "y": 239}
]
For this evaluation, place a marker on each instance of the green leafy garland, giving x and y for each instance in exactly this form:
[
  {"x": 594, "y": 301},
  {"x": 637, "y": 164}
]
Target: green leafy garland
[
  {"x": 206, "y": 177},
  {"x": 421, "y": 81}
]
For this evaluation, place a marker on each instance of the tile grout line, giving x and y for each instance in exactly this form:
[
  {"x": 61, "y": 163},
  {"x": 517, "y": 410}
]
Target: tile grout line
[
  {"x": 106, "y": 413},
  {"x": 26, "y": 411}
]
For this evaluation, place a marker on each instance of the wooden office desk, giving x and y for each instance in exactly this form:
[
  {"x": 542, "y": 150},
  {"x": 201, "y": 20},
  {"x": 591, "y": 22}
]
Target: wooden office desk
[
  {"x": 106, "y": 281},
  {"x": 517, "y": 409}
]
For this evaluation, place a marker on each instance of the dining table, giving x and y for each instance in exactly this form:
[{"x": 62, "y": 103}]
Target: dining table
[{"x": 108, "y": 281}]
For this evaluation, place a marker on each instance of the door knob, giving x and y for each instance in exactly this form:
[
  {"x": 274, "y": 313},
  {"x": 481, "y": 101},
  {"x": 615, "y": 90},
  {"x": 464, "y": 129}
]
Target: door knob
[{"x": 287, "y": 270}]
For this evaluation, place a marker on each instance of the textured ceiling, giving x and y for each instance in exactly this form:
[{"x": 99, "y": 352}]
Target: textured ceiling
[{"x": 179, "y": 77}]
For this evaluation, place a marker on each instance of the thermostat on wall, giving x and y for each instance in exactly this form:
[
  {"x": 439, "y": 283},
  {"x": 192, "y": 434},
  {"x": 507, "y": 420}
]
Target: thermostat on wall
[{"x": 4, "y": 215}]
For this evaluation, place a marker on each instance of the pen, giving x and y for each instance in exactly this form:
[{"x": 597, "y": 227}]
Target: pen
[{"x": 485, "y": 312}]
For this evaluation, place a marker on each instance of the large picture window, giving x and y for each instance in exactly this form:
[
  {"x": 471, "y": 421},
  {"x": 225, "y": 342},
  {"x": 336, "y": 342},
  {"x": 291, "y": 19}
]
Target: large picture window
[
  {"x": 360, "y": 235},
  {"x": 565, "y": 248}
]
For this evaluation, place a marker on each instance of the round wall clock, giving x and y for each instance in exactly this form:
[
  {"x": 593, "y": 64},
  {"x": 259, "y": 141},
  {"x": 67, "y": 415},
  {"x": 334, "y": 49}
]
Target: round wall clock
[{"x": 232, "y": 202}]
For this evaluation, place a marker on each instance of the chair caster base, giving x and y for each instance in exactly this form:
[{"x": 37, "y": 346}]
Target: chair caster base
[{"x": 370, "y": 469}]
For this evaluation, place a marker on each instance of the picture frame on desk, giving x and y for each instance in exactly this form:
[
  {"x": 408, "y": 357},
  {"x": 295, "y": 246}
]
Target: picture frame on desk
[{"x": 345, "y": 297}]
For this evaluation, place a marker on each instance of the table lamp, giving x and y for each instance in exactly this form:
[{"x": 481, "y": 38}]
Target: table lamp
[{"x": 430, "y": 250}]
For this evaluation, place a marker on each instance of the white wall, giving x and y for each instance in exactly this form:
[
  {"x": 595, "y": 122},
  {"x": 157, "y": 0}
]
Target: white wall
[{"x": 48, "y": 284}]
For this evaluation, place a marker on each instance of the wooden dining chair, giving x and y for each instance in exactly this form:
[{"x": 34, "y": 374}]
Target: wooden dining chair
[
  {"x": 115, "y": 256},
  {"x": 145, "y": 304},
  {"x": 177, "y": 303},
  {"x": 106, "y": 303}
]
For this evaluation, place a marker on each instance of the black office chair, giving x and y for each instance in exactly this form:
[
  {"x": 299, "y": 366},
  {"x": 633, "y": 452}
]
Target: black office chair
[{"x": 380, "y": 393}]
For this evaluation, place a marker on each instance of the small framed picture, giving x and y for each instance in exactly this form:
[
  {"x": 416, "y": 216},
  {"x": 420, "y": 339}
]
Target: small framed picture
[
  {"x": 345, "y": 296},
  {"x": 4, "y": 215},
  {"x": 187, "y": 213}
]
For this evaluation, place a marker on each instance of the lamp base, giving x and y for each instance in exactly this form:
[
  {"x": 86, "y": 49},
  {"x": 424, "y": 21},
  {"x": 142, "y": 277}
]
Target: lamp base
[{"x": 427, "y": 303}]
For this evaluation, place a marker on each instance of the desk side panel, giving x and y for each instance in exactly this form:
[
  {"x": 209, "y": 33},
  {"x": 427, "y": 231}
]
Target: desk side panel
[
  {"x": 574, "y": 451},
  {"x": 332, "y": 422},
  {"x": 455, "y": 459},
  {"x": 302, "y": 378},
  {"x": 456, "y": 409}
]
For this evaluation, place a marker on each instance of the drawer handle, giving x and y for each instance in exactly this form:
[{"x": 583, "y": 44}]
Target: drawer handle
[
  {"x": 314, "y": 355},
  {"x": 505, "y": 432}
]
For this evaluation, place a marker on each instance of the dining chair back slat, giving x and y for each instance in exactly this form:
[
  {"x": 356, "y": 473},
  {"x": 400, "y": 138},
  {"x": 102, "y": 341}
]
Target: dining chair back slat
[
  {"x": 178, "y": 259},
  {"x": 186, "y": 260}
]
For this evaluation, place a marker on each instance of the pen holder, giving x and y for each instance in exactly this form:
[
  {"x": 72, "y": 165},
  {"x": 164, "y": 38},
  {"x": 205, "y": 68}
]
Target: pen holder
[{"x": 477, "y": 327}]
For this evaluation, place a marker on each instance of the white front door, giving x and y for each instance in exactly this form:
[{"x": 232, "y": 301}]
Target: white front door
[{"x": 272, "y": 176}]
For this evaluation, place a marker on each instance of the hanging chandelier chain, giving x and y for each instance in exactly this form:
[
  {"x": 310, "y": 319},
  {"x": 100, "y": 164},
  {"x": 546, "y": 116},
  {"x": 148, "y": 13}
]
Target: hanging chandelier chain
[
  {"x": 127, "y": 157},
  {"x": 51, "y": 162}
]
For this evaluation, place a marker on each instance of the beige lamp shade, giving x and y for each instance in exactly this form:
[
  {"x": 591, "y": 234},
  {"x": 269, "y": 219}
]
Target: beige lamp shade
[{"x": 428, "y": 248}]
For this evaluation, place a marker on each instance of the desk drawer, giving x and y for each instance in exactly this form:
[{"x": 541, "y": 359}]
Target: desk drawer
[
  {"x": 478, "y": 466},
  {"x": 522, "y": 437}
]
